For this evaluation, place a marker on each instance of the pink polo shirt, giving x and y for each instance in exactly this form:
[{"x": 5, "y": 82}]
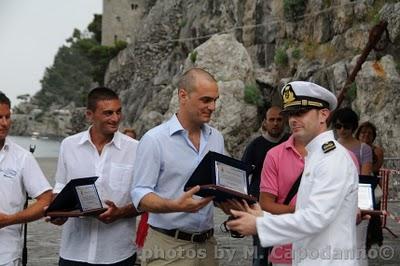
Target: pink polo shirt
[{"x": 282, "y": 166}]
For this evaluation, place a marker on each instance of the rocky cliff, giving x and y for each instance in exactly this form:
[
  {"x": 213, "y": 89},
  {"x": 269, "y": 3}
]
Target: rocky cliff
[
  {"x": 247, "y": 43},
  {"x": 252, "y": 48}
]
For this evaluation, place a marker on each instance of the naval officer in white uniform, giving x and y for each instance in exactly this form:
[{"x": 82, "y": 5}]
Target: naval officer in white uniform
[{"x": 322, "y": 228}]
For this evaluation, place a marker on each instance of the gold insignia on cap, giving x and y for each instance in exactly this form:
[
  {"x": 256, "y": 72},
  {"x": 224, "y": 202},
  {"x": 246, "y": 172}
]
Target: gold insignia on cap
[
  {"x": 328, "y": 146},
  {"x": 288, "y": 95}
]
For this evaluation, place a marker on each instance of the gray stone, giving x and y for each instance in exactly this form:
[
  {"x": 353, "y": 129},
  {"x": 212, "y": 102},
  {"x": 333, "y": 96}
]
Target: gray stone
[
  {"x": 377, "y": 101},
  {"x": 357, "y": 37},
  {"x": 227, "y": 59},
  {"x": 224, "y": 57},
  {"x": 390, "y": 12}
]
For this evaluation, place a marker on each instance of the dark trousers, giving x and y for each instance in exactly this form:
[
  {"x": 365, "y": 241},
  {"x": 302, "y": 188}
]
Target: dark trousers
[
  {"x": 260, "y": 257},
  {"x": 127, "y": 262}
]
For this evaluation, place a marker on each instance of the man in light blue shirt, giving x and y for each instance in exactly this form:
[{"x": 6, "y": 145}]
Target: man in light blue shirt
[{"x": 180, "y": 223}]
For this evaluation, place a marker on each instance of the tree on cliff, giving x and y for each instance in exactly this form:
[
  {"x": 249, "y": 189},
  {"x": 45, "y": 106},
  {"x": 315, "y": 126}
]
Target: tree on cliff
[{"x": 78, "y": 64}]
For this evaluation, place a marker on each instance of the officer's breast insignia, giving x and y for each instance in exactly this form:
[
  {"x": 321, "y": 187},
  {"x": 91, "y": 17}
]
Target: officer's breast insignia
[{"x": 329, "y": 146}]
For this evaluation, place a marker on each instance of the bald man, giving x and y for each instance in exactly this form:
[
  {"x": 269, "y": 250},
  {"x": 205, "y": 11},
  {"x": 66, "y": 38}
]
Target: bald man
[{"x": 181, "y": 226}]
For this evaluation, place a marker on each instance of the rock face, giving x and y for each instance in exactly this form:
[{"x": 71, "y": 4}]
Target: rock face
[
  {"x": 378, "y": 96},
  {"x": 228, "y": 61},
  {"x": 267, "y": 45},
  {"x": 257, "y": 43}
]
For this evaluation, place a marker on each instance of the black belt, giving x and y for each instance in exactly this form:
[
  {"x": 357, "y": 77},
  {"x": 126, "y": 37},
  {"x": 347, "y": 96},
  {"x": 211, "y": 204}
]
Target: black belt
[{"x": 192, "y": 237}]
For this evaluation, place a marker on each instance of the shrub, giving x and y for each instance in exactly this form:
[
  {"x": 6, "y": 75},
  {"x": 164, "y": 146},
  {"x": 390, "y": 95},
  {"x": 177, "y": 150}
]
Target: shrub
[
  {"x": 281, "y": 57},
  {"x": 193, "y": 56},
  {"x": 252, "y": 95},
  {"x": 296, "y": 54},
  {"x": 182, "y": 23},
  {"x": 351, "y": 93},
  {"x": 294, "y": 9}
]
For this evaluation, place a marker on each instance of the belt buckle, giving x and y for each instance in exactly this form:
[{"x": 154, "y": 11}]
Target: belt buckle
[
  {"x": 176, "y": 234},
  {"x": 193, "y": 236}
]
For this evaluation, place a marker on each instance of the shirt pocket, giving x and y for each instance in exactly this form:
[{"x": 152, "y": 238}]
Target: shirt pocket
[{"x": 120, "y": 178}]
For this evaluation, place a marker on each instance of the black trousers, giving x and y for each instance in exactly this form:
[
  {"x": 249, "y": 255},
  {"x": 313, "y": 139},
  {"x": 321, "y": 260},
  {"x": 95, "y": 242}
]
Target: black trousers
[
  {"x": 260, "y": 257},
  {"x": 127, "y": 262}
]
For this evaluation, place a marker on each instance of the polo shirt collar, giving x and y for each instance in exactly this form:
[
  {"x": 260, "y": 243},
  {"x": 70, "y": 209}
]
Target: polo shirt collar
[
  {"x": 116, "y": 140},
  {"x": 175, "y": 126},
  {"x": 289, "y": 144}
]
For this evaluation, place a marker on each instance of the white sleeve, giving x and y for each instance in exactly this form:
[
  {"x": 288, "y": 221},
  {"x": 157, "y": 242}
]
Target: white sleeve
[{"x": 33, "y": 178}]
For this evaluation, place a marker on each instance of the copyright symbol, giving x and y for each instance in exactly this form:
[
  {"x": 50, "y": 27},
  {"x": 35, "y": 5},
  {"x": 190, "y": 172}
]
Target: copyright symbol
[{"x": 386, "y": 252}]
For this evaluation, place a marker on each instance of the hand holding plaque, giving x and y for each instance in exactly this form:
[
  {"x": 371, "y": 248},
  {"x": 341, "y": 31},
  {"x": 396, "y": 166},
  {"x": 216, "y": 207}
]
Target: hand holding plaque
[
  {"x": 78, "y": 198},
  {"x": 222, "y": 177}
]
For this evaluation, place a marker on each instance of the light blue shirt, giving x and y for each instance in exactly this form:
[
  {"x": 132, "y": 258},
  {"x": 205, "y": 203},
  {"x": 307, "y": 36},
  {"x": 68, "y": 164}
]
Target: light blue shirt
[{"x": 166, "y": 159}]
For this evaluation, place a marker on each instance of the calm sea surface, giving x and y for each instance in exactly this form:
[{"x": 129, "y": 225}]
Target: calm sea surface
[{"x": 45, "y": 148}]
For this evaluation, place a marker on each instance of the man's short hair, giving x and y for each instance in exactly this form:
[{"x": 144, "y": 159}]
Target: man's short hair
[
  {"x": 4, "y": 99},
  {"x": 188, "y": 79},
  {"x": 100, "y": 94}
]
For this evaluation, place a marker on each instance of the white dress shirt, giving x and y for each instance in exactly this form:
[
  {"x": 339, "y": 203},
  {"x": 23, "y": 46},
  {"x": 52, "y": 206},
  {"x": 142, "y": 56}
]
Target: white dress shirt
[
  {"x": 167, "y": 160},
  {"x": 323, "y": 226},
  {"x": 19, "y": 173},
  {"x": 88, "y": 239}
]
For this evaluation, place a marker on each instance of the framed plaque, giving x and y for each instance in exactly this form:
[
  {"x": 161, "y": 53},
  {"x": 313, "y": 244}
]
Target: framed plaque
[
  {"x": 230, "y": 177},
  {"x": 366, "y": 195},
  {"x": 222, "y": 177},
  {"x": 78, "y": 198}
]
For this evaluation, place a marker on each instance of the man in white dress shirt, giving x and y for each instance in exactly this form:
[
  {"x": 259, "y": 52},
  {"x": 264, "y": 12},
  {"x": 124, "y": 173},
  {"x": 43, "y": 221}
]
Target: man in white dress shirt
[
  {"x": 323, "y": 226},
  {"x": 102, "y": 151},
  {"x": 19, "y": 174}
]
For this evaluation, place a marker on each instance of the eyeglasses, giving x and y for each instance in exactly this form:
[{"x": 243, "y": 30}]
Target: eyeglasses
[
  {"x": 345, "y": 126},
  {"x": 224, "y": 228}
]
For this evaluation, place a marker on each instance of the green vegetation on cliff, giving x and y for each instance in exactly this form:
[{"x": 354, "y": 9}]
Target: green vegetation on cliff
[{"x": 77, "y": 66}]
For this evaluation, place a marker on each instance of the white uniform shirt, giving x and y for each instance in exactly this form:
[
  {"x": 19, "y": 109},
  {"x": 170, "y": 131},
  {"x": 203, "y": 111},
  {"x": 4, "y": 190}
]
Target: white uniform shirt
[
  {"x": 322, "y": 229},
  {"x": 19, "y": 173},
  {"x": 88, "y": 239}
]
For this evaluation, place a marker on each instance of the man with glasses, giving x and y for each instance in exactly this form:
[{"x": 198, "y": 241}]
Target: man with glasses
[{"x": 322, "y": 228}]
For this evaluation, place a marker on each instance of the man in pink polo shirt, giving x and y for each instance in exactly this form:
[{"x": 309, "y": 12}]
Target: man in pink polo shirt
[{"x": 282, "y": 167}]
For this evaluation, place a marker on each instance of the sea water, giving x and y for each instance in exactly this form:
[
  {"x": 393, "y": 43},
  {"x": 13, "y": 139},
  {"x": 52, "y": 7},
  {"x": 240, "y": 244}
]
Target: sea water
[{"x": 43, "y": 148}]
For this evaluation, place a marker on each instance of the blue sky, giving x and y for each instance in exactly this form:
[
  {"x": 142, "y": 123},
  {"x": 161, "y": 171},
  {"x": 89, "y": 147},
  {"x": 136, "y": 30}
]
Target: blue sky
[{"x": 31, "y": 31}]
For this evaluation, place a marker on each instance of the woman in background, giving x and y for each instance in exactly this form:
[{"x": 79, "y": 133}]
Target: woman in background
[
  {"x": 345, "y": 123},
  {"x": 366, "y": 133}
]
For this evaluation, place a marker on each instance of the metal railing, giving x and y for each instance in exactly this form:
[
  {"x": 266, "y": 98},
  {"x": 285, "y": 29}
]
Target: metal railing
[
  {"x": 391, "y": 166},
  {"x": 390, "y": 180}
]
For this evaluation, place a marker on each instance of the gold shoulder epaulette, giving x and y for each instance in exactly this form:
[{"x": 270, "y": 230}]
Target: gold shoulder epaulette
[{"x": 329, "y": 146}]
